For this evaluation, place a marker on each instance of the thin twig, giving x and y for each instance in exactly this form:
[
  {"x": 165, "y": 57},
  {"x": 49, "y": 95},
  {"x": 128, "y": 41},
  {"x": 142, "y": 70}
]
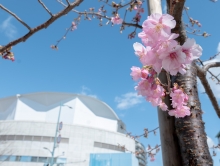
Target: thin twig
[
  {"x": 101, "y": 16},
  {"x": 64, "y": 36},
  {"x": 15, "y": 16},
  {"x": 67, "y": 1},
  {"x": 41, "y": 26},
  {"x": 44, "y": 6}
]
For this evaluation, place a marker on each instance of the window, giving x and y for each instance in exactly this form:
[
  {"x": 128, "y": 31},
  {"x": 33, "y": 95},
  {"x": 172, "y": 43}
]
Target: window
[
  {"x": 37, "y": 138},
  {"x": 25, "y": 159},
  {"x": 12, "y": 158},
  {"x": 3, "y": 137},
  {"x": 43, "y": 159},
  {"x": 4, "y": 158},
  {"x": 19, "y": 137},
  {"x": 98, "y": 144},
  {"x": 61, "y": 160},
  {"x": 34, "y": 159},
  {"x": 11, "y": 137},
  {"x": 28, "y": 138},
  {"x": 65, "y": 140},
  {"x": 106, "y": 146},
  {"x": 18, "y": 158},
  {"x": 46, "y": 139}
]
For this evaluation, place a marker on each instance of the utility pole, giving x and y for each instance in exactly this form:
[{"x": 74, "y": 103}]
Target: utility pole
[
  {"x": 55, "y": 138},
  {"x": 51, "y": 163},
  {"x": 169, "y": 142}
]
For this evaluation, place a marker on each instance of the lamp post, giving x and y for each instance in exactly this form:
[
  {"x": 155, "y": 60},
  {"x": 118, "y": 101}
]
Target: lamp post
[{"x": 55, "y": 137}]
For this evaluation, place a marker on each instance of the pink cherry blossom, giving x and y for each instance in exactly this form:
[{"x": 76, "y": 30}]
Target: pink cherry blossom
[
  {"x": 179, "y": 98},
  {"x": 168, "y": 43},
  {"x": 74, "y": 26},
  {"x": 159, "y": 26},
  {"x": 136, "y": 73},
  {"x": 116, "y": 19},
  {"x": 152, "y": 158},
  {"x": 143, "y": 87},
  {"x": 163, "y": 106},
  {"x": 147, "y": 41},
  {"x": 140, "y": 50},
  {"x": 173, "y": 59},
  {"x": 152, "y": 59},
  {"x": 180, "y": 112},
  {"x": 192, "y": 50},
  {"x": 144, "y": 73},
  {"x": 139, "y": 9}
]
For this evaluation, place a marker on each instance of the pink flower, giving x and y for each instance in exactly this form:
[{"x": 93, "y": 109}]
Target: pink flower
[
  {"x": 146, "y": 40},
  {"x": 152, "y": 59},
  {"x": 159, "y": 26},
  {"x": 173, "y": 59},
  {"x": 168, "y": 43},
  {"x": 163, "y": 106},
  {"x": 136, "y": 73},
  {"x": 179, "y": 98},
  {"x": 143, "y": 87},
  {"x": 139, "y": 9},
  {"x": 152, "y": 158},
  {"x": 192, "y": 50},
  {"x": 73, "y": 26},
  {"x": 180, "y": 112},
  {"x": 116, "y": 19},
  {"x": 140, "y": 50},
  {"x": 144, "y": 73}
]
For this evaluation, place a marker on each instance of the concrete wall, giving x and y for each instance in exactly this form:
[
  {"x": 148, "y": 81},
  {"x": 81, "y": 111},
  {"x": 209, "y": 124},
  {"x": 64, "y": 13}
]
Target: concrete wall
[{"x": 80, "y": 143}]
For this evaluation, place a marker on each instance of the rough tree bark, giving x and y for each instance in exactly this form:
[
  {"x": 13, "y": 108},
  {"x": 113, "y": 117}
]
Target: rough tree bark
[
  {"x": 190, "y": 130},
  {"x": 183, "y": 140}
]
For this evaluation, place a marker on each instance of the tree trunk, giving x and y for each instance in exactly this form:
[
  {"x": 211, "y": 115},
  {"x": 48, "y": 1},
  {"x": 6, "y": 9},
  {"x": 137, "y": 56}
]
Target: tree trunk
[
  {"x": 169, "y": 141},
  {"x": 190, "y": 130},
  {"x": 183, "y": 140}
]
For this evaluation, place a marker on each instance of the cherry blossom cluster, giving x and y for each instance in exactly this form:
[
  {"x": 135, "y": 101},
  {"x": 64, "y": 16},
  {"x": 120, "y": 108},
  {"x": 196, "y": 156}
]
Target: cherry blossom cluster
[
  {"x": 136, "y": 5},
  {"x": 148, "y": 86},
  {"x": 162, "y": 51},
  {"x": 179, "y": 102}
]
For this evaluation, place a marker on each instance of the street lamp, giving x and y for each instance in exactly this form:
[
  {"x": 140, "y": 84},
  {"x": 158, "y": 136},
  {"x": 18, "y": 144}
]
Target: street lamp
[{"x": 55, "y": 138}]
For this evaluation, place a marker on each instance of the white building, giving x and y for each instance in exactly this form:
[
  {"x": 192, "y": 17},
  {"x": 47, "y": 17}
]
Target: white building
[{"x": 28, "y": 126}]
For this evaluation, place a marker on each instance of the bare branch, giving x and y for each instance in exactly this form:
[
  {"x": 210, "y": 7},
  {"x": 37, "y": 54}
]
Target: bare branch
[
  {"x": 44, "y": 25},
  {"x": 48, "y": 11},
  {"x": 210, "y": 65},
  {"x": 216, "y": 77},
  {"x": 15, "y": 16},
  {"x": 100, "y": 15},
  {"x": 201, "y": 73},
  {"x": 67, "y": 1}
]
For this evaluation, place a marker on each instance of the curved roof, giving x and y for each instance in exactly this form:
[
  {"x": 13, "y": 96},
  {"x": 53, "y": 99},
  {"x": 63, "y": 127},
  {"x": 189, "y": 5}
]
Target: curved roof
[{"x": 50, "y": 99}]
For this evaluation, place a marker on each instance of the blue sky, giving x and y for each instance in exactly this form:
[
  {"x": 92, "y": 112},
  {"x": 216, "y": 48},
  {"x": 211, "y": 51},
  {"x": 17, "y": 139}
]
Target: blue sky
[{"x": 94, "y": 60}]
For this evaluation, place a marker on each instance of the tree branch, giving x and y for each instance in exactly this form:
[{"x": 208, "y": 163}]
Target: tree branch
[
  {"x": 15, "y": 16},
  {"x": 48, "y": 11},
  {"x": 100, "y": 15},
  {"x": 44, "y": 25},
  {"x": 201, "y": 73},
  {"x": 210, "y": 65},
  {"x": 216, "y": 77},
  {"x": 67, "y": 1}
]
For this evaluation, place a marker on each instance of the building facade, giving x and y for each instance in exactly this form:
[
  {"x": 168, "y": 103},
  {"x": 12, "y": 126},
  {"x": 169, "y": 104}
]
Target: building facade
[{"x": 28, "y": 127}]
